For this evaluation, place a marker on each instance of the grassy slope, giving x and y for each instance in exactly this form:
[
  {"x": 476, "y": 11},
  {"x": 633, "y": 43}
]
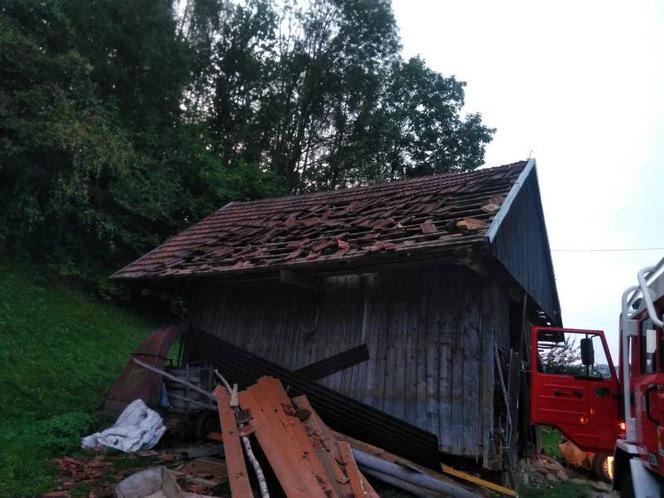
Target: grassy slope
[{"x": 59, "y": 352}]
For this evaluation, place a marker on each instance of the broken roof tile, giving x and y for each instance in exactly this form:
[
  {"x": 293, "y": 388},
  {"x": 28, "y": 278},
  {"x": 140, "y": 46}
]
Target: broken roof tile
[
  {"x": 269, "y": 234},
  {"x": 428, "y": 227}
]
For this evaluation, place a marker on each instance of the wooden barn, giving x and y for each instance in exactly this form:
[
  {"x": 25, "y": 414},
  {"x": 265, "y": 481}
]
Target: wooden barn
[{"x": 438, "y": 276}]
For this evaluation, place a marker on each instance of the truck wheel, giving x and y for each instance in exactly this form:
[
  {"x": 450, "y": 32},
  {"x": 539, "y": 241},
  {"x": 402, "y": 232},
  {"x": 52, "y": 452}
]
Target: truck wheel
[{"x": 601, "y": 467}]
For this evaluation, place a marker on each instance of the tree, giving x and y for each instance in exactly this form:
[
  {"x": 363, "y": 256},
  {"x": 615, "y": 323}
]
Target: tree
[
  {"x": 562, "y": 357},
  {"x": 318, "y": 94},
  {"x": 97, "y": 164},
  {"x": 123, "y": 121}
]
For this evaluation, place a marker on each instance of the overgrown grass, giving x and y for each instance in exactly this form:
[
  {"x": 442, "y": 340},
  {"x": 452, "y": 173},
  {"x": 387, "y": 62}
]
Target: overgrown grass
[
  {"x": 561, "y": 490},
  {"x": 60, "y": 350},
  {"x": 551, "y": 438}
]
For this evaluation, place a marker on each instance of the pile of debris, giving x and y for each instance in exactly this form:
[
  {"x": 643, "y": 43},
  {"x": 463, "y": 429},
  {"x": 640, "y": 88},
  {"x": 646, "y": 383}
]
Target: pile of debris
[
  {"x": 273, "y": 445},
  {"x": 278, "y": 433},
  {"x": 197, "y": 470},
  {"x": 300, "y": 456}
]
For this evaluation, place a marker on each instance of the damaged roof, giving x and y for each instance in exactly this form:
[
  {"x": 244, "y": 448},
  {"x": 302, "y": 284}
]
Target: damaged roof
[{"x": 415, "y": 217}]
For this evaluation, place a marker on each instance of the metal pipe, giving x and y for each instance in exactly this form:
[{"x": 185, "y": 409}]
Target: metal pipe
[
  {"x": 412, "y": 476},
  {"x": 645, "y": 292},
  {"x": 176, "y": 379},
  {"x": 411, "y": 488},
  {"x": 625, "y": 329}
]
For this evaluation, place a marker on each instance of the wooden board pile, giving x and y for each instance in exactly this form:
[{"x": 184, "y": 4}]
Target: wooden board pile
[
  {"x": 308, "y": 458},
  {"x": 306, "y": 463}
]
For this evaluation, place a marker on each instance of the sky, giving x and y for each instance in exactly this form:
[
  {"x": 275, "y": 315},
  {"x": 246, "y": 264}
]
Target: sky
[{"x": 579, "y": 86}]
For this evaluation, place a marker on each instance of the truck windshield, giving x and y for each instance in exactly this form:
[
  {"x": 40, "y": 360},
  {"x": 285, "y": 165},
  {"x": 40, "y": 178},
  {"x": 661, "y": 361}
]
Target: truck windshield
[{"x": 560, "y": 354}]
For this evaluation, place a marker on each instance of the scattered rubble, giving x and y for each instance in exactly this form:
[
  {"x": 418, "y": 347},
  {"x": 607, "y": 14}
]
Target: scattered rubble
[
  {"x": 298, "y": 454},
  {"x": 541, "y": 471}
]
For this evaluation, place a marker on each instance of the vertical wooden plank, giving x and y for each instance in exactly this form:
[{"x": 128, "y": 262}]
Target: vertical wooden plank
[
  {"x": 351, "y": 325},
  {"x": 409, "y": 334},
  {"x": 334, "y": 329},
  {"x": 232, "y": 313},
  {"x": 284, "y": 342},
  {"x": 445, "y": 422},
  {"x": 394, "y": 373},
  {"x": 458, "y": 366},
  {"x": 471, "y": 369},
  {"x": 252, "y": 324},
  {"x": 432, "y": 344},
  {"x": 487, "y": 384},
  {"x": 237, "y": 470},
  {"x": 375, "y": 334},
  {"x": 267, "y": 327},
  {"x": 312, "y": 339},
  {"x": 363, "y": 377},
  {"x": 275, "y": 322},
  {"x": 382, "y": 371},
  {"x": 421, "y": 389}
]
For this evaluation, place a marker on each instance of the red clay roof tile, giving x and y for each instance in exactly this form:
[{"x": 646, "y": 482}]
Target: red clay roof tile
[{"x": 421, "y": 214}]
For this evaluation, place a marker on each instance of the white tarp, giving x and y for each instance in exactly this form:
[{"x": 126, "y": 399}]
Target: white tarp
[{"x": 137, "y": 428}]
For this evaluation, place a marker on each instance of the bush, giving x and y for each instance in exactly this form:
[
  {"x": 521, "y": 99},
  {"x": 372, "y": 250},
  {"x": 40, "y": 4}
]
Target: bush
[{"x": 63, "y": 433}]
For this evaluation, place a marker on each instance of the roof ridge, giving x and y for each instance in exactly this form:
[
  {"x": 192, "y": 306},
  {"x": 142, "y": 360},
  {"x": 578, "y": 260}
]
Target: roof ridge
[{"x": 418, "y": 179}]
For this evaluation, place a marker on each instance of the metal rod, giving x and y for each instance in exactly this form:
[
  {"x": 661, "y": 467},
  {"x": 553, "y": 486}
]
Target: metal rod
[
  {"x": 645, "y": 292},
  {"x": 175, "y": 379},
  {"x": 625, "y": 332}
]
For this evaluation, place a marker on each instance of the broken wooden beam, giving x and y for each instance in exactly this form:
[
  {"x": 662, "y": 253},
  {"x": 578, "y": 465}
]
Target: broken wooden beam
[
  {"x": 329, "y": 447},
  {"x": 316, "y": 425},
  {"x": 335, "y": 363},
  {"x": 237, "y": 470}
]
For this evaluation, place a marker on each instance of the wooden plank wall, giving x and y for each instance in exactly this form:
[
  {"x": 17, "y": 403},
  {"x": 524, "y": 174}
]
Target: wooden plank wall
[
  {"x": 522, "y": 246},
  {"x": 429, "y": 333}
]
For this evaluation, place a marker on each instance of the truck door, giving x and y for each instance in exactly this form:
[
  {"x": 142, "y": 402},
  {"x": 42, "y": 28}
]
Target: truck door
[{"x": 574, "y": 386}]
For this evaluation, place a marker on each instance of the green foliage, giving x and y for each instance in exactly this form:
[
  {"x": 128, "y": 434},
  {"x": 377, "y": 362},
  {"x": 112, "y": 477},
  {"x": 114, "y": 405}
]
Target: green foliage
[
  {"x": 562, "y": 358},
  {"x": 61, "y": 350},
  {"x": 564, "y": 489},
  {"x": 551, "y": 438},
  {"x": 97, "y": 162},
  {"x": 62, "y": 434},
  {"x": 123, "y": 121}
]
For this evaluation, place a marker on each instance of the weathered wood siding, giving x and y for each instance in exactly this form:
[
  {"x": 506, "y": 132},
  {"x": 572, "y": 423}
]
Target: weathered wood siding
[
  {"x": 430, "y": 336},
  {"x": 522, "y": 246}
]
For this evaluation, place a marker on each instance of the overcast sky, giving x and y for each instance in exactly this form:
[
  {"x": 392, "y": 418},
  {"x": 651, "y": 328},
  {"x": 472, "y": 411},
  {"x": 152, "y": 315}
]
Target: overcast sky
[{"x": 581, "y": 85}]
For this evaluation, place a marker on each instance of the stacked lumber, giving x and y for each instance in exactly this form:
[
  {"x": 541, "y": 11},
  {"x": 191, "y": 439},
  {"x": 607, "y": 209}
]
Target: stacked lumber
[
  {"x": 309, "y": 459},
  {"x": 305, "y": 463}
]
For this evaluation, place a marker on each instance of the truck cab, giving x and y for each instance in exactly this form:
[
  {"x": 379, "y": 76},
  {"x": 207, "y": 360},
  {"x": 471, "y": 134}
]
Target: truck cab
[{"x": 576, "y": 387}]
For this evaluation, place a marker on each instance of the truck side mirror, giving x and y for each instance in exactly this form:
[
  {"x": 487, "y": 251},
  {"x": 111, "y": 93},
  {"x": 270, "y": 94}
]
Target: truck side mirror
[{"x": 587, "y": 352}]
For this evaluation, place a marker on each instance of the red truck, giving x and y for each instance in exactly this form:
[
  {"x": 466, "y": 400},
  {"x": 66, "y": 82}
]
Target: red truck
[{"x": 576, "y": 388}]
